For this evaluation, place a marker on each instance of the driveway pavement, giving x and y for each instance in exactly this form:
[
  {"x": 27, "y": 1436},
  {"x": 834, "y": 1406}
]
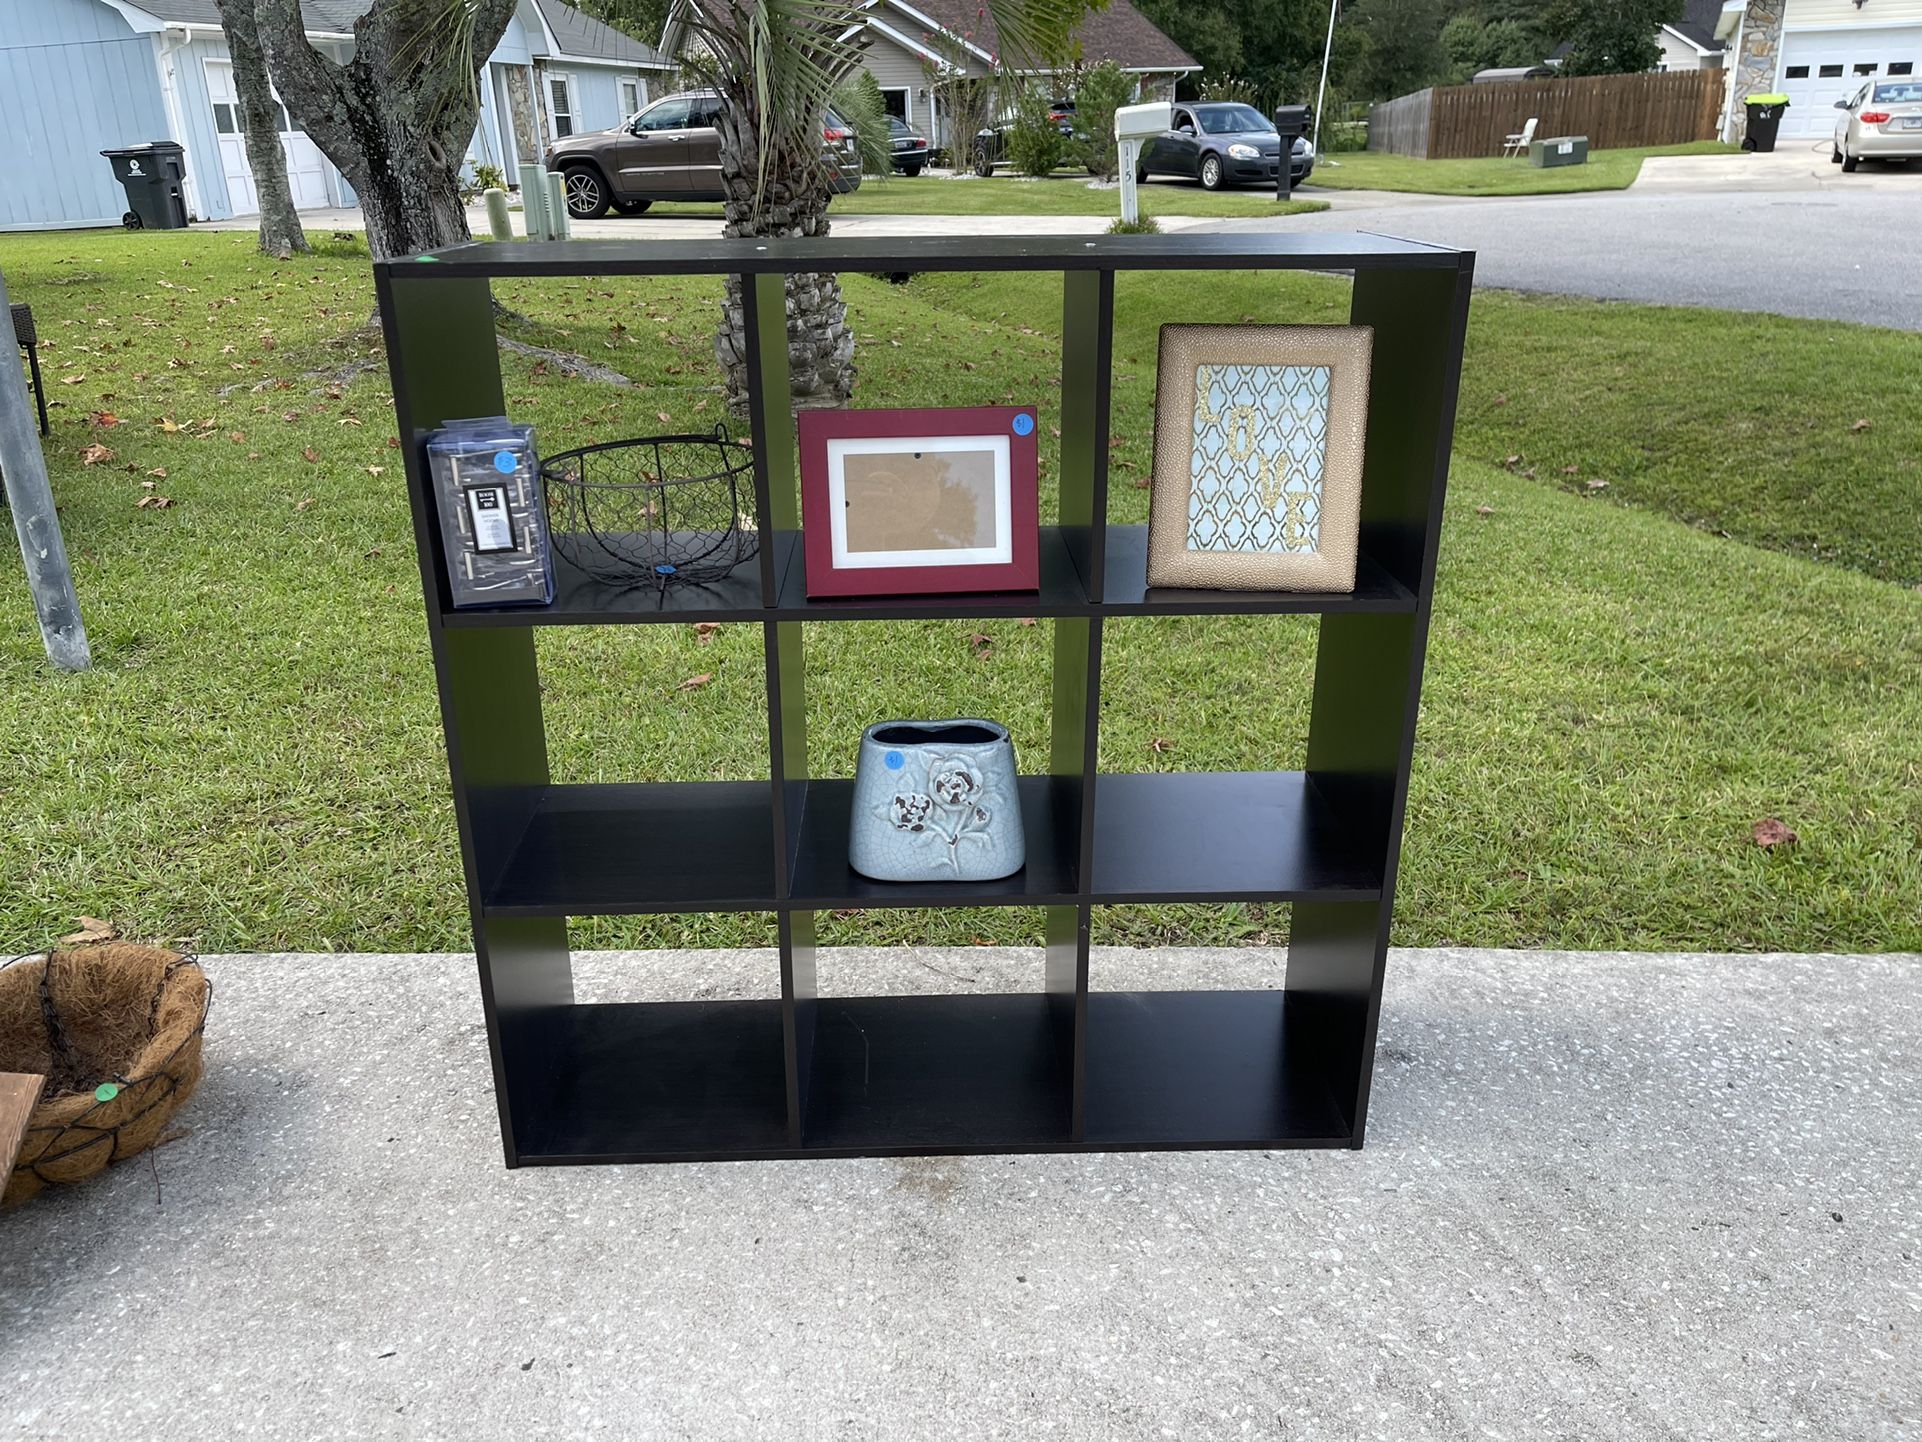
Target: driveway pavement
[
  {"x": 1631, "y": 1197},
  {"x": 1843, "y": 254},
  {"x": 1785, "y": 233}
]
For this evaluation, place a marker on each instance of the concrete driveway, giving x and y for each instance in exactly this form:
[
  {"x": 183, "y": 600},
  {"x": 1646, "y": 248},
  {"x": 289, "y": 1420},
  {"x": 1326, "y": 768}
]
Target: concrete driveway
[
  {"x": 1842, "y": 254},
  {"x": 1624, "y": 1197}
]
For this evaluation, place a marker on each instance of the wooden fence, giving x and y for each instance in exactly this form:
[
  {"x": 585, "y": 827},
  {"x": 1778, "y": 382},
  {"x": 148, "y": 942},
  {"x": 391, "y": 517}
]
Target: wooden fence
[{"x": 1611, "y": 110}]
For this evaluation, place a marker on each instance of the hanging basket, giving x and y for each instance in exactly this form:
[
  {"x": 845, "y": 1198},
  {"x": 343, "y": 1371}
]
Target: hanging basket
[{"x": 116, "y": 1032}]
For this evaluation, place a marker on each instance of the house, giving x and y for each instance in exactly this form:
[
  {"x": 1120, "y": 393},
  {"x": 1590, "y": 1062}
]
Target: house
[
  {"x": 909, "y": 44},
  {"x": 81, "y": 76},
  {"x": 1816, "y": 52},
  {"x": 1691, "y": 42}
]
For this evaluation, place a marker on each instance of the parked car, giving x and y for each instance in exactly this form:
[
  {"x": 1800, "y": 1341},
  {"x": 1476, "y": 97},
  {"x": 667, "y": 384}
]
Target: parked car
[
  {"x": 669, "y": 150},
  {"x": 911, "y": 149},
  {"x": 990, "y": 146},
  {"x": 1223, "y": 143},
  {"x": 1881, "y": 121}
]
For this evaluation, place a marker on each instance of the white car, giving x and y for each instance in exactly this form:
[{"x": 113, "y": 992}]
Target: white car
[{"x": 1881, "y": 121}]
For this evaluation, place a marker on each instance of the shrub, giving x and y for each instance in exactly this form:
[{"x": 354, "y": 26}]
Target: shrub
[
  {"x": 1035, "y": 142},
  {"x": 1147, "y": 225},
  {"x": 859, "y": 102},
  {"x": 1104, "y": 89},
  {"x": 485, "y": 178}
]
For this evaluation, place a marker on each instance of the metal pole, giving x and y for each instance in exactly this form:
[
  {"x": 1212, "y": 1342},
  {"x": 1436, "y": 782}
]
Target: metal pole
[
  {"x": 1321, "y": 94},
  {"x": 1130, "y": 158},
  {"x": 30, "y": 496}
]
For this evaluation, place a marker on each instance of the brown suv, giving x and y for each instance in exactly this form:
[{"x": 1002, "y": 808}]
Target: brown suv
[{"x": 669, "y": 151}]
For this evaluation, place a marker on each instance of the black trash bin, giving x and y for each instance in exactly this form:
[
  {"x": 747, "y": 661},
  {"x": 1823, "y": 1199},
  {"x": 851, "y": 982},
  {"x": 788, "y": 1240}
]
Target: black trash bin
[
  {"x": 151, "y": 175},
  {"x": 1764, "y": 119}
]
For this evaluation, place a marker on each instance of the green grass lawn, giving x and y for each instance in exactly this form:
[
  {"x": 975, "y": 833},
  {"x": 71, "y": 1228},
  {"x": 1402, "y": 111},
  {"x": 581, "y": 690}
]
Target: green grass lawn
[
  {"x": 1615, "y": 692},
  {"x": 1061, "y": 194},
  {"x": 1492, "y": 175}
]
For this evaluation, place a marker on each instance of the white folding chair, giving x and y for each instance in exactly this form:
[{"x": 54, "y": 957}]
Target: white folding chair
[{"x": 1517, "y": 144}]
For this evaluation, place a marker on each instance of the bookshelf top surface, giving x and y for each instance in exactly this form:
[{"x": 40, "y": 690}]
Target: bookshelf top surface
[{"x": 1275, "y": 250}]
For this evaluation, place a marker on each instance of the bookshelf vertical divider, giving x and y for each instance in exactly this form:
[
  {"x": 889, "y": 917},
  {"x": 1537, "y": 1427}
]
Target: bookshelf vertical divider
[{"x": 1068, "y": 1066}]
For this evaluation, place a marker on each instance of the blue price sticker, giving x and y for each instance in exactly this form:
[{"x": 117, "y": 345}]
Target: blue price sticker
[
  {"x": 894, "y": 760},
  {"x": 1024, "y": 424},
  {"x": 504, "y": 462}
]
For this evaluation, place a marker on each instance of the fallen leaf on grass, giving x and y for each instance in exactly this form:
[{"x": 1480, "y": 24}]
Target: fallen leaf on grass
[
  {"x": 377, "y": 470},
  {"x": 1161, "y": 745},
  {"x": 1484, "y": 510},
  {"x": 1861, "y": 425},
  {"x": 695, "y": 683},
  {"x": 160, "y": 471},
  {"x": 305, "y": 503},
  {"x": 1142, "y": 483},
  {"x": 664, "y": 418},
  {"x": 981, "y": 642},
  {"x": 153, "y": 503},
  {"x": 1501, "y": 400},
  {"x": 73, "y": 380},
  {"x": 1771, "y": 832},
  {"x": 168, "y": 424},
  {"x": 94, "y": 454},
  {"x": 103, "y": 419},
  {"x": 310, "y": 454},
  {"x": 1597, "y": 484},
  {"x": 92, "y": 932},
  {"x": 704, "y": 631},
  {"x": 1571, "y": 470},
  {"x": 1024, "y": 620}
]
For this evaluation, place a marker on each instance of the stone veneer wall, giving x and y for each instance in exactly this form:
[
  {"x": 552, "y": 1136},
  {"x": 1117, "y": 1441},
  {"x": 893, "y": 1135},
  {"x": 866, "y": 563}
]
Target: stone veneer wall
[{"x": 1755, "y": 67}]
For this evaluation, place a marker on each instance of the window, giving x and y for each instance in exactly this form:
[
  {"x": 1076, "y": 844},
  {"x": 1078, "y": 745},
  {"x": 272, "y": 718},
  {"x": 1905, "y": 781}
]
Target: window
[
  {"x": 668, "y": 115},
  {"x": 559, "y": 106},
  {"x": 703, "y": 111},
  {"x": 1901, "y": 67},
  {"x": 283, "y": 124},
  {"x": 224, "y": 118},
  {"x": 898, "y": 100},
  {"x": 1907, "y": 92},
  {"x": 1798, "y": 72},
  {"x": 630, "y": 95},
  {"x": 1865, "y": 70},
  {"x": 1830, "y": 72}
]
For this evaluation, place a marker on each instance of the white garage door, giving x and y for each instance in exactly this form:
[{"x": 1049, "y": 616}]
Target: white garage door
[
  {"x": 306, "y": 166},
  {"x": 1820, "y": 68}
]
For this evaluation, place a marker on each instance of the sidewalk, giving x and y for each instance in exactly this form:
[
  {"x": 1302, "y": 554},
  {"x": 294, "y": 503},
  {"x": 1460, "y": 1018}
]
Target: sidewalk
[
  {"x": 1603, "y": 1196},
  {"x": 1794, "y": 165}
]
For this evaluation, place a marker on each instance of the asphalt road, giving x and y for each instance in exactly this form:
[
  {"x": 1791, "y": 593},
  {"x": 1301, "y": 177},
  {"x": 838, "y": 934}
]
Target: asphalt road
[{"x": 1832, "y": 257}]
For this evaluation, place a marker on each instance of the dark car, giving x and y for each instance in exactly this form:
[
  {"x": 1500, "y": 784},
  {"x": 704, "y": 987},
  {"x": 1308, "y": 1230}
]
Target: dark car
[
  {"x": 909, "y": 148},
  {"x": 1223, "y": 143},
  {"x": 670, "y": 150},
  {"x": 990, "y": 146}
]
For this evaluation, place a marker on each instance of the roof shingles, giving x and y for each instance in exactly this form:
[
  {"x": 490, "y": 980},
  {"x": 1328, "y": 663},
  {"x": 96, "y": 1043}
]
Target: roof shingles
[{"x": 1119, "y": 33}]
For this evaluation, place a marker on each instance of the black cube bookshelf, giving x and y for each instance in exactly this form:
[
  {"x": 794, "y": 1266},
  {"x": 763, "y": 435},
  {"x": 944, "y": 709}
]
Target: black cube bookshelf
[{"x": 1064, "y": 1068}]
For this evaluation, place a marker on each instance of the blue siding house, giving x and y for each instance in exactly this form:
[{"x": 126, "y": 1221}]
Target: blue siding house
[{"x": 81, "y": 76}]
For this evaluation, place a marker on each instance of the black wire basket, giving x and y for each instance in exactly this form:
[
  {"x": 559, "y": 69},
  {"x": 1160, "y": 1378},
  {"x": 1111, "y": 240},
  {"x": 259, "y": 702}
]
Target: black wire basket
[{"x": 656, "y": 510}]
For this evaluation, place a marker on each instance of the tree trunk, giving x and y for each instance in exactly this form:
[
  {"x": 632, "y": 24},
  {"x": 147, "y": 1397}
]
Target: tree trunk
[
  {"x": 398, "y": 117},
  {"x": 820, "y": 342},
  {"x": 280, "y": 231}
]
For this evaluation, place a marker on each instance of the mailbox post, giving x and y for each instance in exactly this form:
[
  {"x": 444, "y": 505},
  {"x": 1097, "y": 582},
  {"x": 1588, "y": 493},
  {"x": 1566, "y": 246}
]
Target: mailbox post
[
  {"x": 1291, "y": 123},
  {"x": 1134, "y": 126}
]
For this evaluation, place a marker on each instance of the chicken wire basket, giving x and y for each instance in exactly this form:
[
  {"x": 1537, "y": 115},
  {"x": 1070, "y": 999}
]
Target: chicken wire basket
[{"x": 654, "y": 511}]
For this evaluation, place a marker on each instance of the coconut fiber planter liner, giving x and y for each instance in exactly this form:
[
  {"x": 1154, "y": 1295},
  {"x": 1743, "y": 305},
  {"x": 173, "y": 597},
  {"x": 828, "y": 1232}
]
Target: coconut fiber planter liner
[{"x": 116, "y": 1031}]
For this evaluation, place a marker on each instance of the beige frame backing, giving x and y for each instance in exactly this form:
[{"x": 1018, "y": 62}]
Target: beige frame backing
[{"x": 1346, "y": 351}]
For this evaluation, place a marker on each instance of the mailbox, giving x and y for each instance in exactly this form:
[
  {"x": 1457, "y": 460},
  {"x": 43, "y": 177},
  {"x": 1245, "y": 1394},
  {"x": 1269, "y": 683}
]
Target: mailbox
[
  {"x": 1135, "y": 126},
  {"x": 1291, "y": 123},
  {"x": 1143, "y": 122}
]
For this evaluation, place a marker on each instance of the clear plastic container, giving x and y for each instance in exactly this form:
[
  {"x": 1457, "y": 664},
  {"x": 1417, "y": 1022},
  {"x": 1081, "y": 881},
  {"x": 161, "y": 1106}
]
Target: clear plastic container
[{"x": 493, "y": 514}]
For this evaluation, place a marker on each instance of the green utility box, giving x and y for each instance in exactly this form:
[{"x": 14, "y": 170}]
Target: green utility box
[{"x": 1558, "y": 150}]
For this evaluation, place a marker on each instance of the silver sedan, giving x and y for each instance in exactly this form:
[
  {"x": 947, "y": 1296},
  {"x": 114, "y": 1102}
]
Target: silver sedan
[{"x": 1881, "y": 121}]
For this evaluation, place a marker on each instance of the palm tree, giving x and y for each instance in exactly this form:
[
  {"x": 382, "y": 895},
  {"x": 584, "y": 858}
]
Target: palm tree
[{"x": 776, "y": 64}]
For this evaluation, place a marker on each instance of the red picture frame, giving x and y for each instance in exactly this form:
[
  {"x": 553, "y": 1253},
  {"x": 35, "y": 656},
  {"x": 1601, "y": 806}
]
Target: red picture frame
[{"x": 1007, "y": 557}]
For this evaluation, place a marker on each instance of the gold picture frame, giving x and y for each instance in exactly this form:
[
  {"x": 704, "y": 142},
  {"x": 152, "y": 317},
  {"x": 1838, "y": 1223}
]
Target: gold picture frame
[{"x": 1260, "y": 432}]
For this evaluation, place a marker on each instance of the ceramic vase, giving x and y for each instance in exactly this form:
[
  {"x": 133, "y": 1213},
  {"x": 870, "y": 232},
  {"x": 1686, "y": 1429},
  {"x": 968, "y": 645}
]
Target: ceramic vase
[{"x": 936, "y": 801}]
